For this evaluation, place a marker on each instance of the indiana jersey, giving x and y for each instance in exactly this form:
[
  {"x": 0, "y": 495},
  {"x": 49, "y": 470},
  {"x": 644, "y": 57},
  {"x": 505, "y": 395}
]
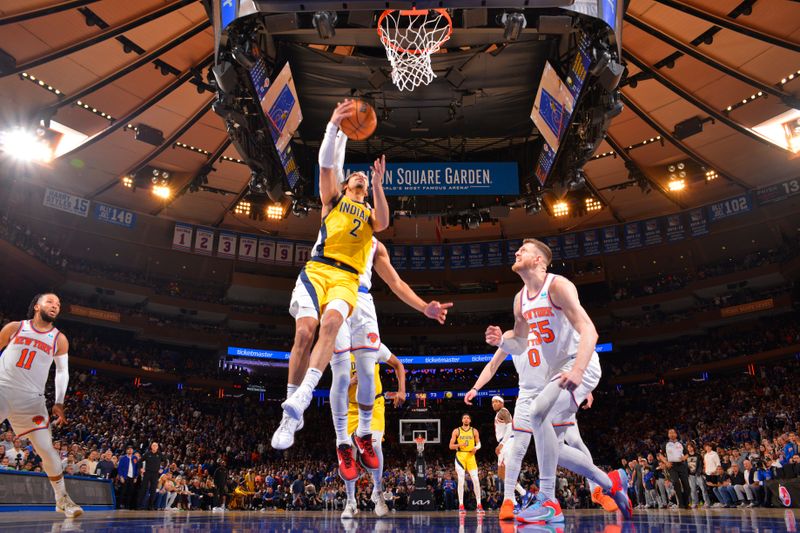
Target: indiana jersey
[
  {"x": 365, "y": 279},
  {"x": 345, "y": 236},
  {"x": 465, "y": 440},
  {"x": 552, "y": 339},
  {"x": 25, "y": 363}
]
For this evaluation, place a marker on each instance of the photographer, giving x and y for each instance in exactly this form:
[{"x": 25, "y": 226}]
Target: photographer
[{"x": 17, "y": 455}]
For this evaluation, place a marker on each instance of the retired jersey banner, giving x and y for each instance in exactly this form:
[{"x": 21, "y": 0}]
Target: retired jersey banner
[
  {"x": 652, "y": 232},
  {"x": 284, "y": 253},
  {"x": 570, "y": 246},
  {"x": 555, "y": 246},
  {"x": 730, "y": 207},
  {"x": 591, "y": 242},
  {"x": 676, "y": 231},
  {"x": 248, "y": 248},
  {"x": 436, "y": 257},
  {"x": 494, "y": 253},
  {"x": 512, "y": 245},
  {"x": 611, "y": 241},
  {"x": 302, "y": 252},
  {"x": 204, "y": 241},
  {"x": 266, "y": 251},
  {"x": 226, "y": 247},
  {"x": 475, "y": 255},
  {"x": 182, "y": 237},
  {"x": 633, "y": 235},
  {"x": 419, "y": 259},
  {"x": 453, "y": 178},
  {"x": 399, "y": 257},
  {"x": 698, "y": 223},
  {"x": 458, "y": 256}
]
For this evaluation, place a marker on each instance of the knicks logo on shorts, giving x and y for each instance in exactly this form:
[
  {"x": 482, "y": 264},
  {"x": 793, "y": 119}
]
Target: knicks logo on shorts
[
  {"x": 373, "y": 337},
  {"x": 38, "y": 420},
  {"x": 785, "y": 497}
]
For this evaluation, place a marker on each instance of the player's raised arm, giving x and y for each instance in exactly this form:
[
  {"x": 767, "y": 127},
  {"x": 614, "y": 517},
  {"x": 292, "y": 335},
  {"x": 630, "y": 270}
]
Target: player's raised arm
[
  {"x": 400, "y": 371},
  {"x": 380, "y": 212},
  {"x": 7, "y": 332},
  {"x": 328, "y": 181},
  {"x": 510, "y": 344},
  {"x": 61, "y": 378},
  {"x": 486, "y": 375},
  {"x": 383, "y": 266},
  {"x": 564, "y": 294}
]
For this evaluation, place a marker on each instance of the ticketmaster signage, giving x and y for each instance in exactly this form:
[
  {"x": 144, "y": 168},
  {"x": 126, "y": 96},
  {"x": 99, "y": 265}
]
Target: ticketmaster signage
[
  {"x": 254, "y": 353},
  {"x": 444, "y": 179}
]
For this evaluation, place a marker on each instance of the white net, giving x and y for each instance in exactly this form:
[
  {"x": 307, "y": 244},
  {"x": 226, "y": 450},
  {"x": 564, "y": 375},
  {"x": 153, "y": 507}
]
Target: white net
[
  {"x": 420, "y": 441},
  {"x": 410, "y": 37}
]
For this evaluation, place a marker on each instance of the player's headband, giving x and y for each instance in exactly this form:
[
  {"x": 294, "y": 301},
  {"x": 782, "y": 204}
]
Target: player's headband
[{"x": 498, "y": 398}]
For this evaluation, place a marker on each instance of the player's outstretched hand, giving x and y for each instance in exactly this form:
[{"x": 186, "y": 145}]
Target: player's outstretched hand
[
  {"x": 470, "y": 396},
  {"x": 589, "y": 401},
  {"x": 570, "y": 379},
  {"x": 494, "y": 336},
  {"x": 58, "y": 412},
  {"x": 378, "y": 170},
  {"x": 343, "y": 110},
  {"x": 437, "y": 311},
  {"x": 399, "y": 399}
]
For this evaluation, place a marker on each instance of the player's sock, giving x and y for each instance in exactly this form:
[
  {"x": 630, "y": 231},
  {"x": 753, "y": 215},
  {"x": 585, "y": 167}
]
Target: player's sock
[
  {"x": 340, "y": 381},
  {"x": 546, "y": 440},
  {"x": 460, "y": 489},
  {"x": 476, "y": 485},
  {"x": 514, "y": 462},
  {"x": 573, "y": 439},
  {"x": 520, "y": 491},
  {"x": 290, "y": 389},
  {"x": 364, "y": 422},
  {"x": 575, "y": 460},
  {"x": 377, "y": 474},
  {"x": 350, "y": 488},
  {"x": 310, "y": 382},
  {"x": 59, "y": 488}
]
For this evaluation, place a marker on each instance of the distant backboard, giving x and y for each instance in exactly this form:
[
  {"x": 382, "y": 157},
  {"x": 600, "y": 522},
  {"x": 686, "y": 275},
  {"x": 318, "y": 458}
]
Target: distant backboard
[{"x": 430, "y": 428}]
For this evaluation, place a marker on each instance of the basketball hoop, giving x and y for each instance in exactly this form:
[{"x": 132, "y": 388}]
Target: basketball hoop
[
  {"x": 410, "y": 37},
  {"x": 420, "y": 444}
]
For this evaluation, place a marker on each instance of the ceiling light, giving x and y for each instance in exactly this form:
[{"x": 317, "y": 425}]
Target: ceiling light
[
  {"x": 242, "y": 208},
  {"x": 162, "y": 191},
  {"x": 593, "y": 204},
  {"x": 275, "y": 211},
  {"x": 127, "y": 181},
  {"x": 676, "y": 185},
  {"x": 560, "y": 209},
  {"x": 27, "y": 146},
  {"x": 711, "y": 175}
]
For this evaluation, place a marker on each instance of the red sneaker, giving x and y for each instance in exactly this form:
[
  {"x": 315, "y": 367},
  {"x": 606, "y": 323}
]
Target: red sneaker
[
  {"x": 480, "y": 510},
  {"x": 365, "y": 452},
  {"x": 461, "y": 509},
  {"x": 347, "y": 464}
]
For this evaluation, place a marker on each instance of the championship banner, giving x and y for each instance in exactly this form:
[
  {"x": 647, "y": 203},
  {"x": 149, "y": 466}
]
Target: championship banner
[
  {"x": 419, "y": 260},
  {"x": 571, "y": 246},
  {"x": 555, "y": 246},
  {"x": 633, "y": 235},
  {"x": 730, "y": 207},
  {"x": 399, "y": 257},
  {"x": 457, "y": 254},
  {"x": 512, "y": 245},
  {"x": 494, "y": 253},
  {"x": 302, "y": 252},
  {"x": 652, "y": 232},
  {"x": 266, "y": 251},
  {"x": 453, "y": 178},
  {"x": 611, "y": 240},
  {"x": 182, "y": 237},
  {"x": 248, "y": 248},
  {"x": 676, "y": 231},
  {"x": 284, "y": 253},
  {"x": 591, "y": 242},
  {"x": 226, "y": 245},
  {"x": 698, "y": 224},
  {"x": 475, "y": 255},
  {"x": 436, "y": 257},
  {"x": 204, "y": 241}
]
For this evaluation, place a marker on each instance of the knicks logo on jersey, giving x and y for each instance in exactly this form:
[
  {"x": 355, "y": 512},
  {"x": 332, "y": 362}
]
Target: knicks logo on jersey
[
  {"x": 36, "y": 343},
  {"x": 373, "y": 337}
]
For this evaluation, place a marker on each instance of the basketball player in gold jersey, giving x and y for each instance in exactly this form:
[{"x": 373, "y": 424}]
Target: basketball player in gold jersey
[
  {"x": 466, "y": 440},
  {"x": 327, "y": 288}
]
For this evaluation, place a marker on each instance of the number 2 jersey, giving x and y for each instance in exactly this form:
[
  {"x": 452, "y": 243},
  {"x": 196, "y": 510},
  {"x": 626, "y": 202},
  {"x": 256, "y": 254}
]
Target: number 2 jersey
[
  {"x": 345, "y": 235},
  {"x": 552, "y": 341},
  {"x": 25, "y": 363}
]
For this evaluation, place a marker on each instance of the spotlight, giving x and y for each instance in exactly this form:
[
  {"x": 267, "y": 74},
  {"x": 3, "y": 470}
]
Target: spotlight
[
  {"x": 711, "y": 175},
  {"x": 473, "y": 221},
  {"x": 27, "y": 146},
  {"x": 159, "y": 177},
  {"x": 325, "y": 23},
  {"x": 676, "y": 185},
  {"x": 560, "y": 209},
  {"x": 258, "y": 184},
  {"x": 242, "y": 208},
  {"x": 593, "y": 204},
  {"x": 275, "y": 211},
  {"x": 534, "y": 206},
  {"x": 127, "y": 182},
  {"x": 513, "y": 24},
  {"x": 162, "y": 191}
]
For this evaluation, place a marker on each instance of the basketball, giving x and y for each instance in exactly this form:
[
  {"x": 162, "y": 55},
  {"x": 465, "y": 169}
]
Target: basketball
[{"x": 362, "y": 124}]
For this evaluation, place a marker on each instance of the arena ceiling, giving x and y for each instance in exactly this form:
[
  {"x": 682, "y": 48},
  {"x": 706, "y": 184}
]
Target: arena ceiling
[{"x": 98, "y": 67}]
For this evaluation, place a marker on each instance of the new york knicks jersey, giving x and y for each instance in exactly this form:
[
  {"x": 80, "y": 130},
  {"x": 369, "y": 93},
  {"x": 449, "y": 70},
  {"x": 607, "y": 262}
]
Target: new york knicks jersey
[
  {"x": 25, "y": 363},
  {"x": 365, "y": 279},
  {"x": 500, "y": 428},
  {"x": 345, "y": 235}
]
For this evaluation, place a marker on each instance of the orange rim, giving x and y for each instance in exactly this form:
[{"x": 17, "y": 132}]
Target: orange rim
[{"x": 410, "y": 13}]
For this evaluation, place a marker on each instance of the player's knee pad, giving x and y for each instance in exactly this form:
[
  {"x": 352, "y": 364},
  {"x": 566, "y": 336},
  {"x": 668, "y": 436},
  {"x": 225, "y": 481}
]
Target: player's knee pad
[
  {"x": 365, "y": 368},
  {"x": 43, "y": 445}
]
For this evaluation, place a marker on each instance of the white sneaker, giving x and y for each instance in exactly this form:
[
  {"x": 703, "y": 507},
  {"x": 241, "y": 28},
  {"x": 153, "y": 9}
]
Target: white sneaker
[
  {"x": 381, "y": 509},
  {"x": 68, "y": 507},
  {"x": 350, "y": 510},
  {"x": 218, "y": 510},
  {"x": 283, "y": 437},
  {"x": 297, "y": 405}
]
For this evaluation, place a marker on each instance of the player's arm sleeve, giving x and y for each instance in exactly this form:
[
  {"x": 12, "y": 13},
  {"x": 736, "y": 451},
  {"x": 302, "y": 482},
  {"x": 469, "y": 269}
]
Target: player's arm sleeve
[
  {"x": 327, "y": 163},
  {"x": 62, "y": 377},
  {"x": 339, "y": 151}
]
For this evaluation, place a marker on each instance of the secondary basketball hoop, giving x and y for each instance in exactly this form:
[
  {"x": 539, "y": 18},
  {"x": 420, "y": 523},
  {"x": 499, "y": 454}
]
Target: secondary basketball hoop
[
  {"x": 420, "y": 441},
  {"x": 410, "y": 37}
]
